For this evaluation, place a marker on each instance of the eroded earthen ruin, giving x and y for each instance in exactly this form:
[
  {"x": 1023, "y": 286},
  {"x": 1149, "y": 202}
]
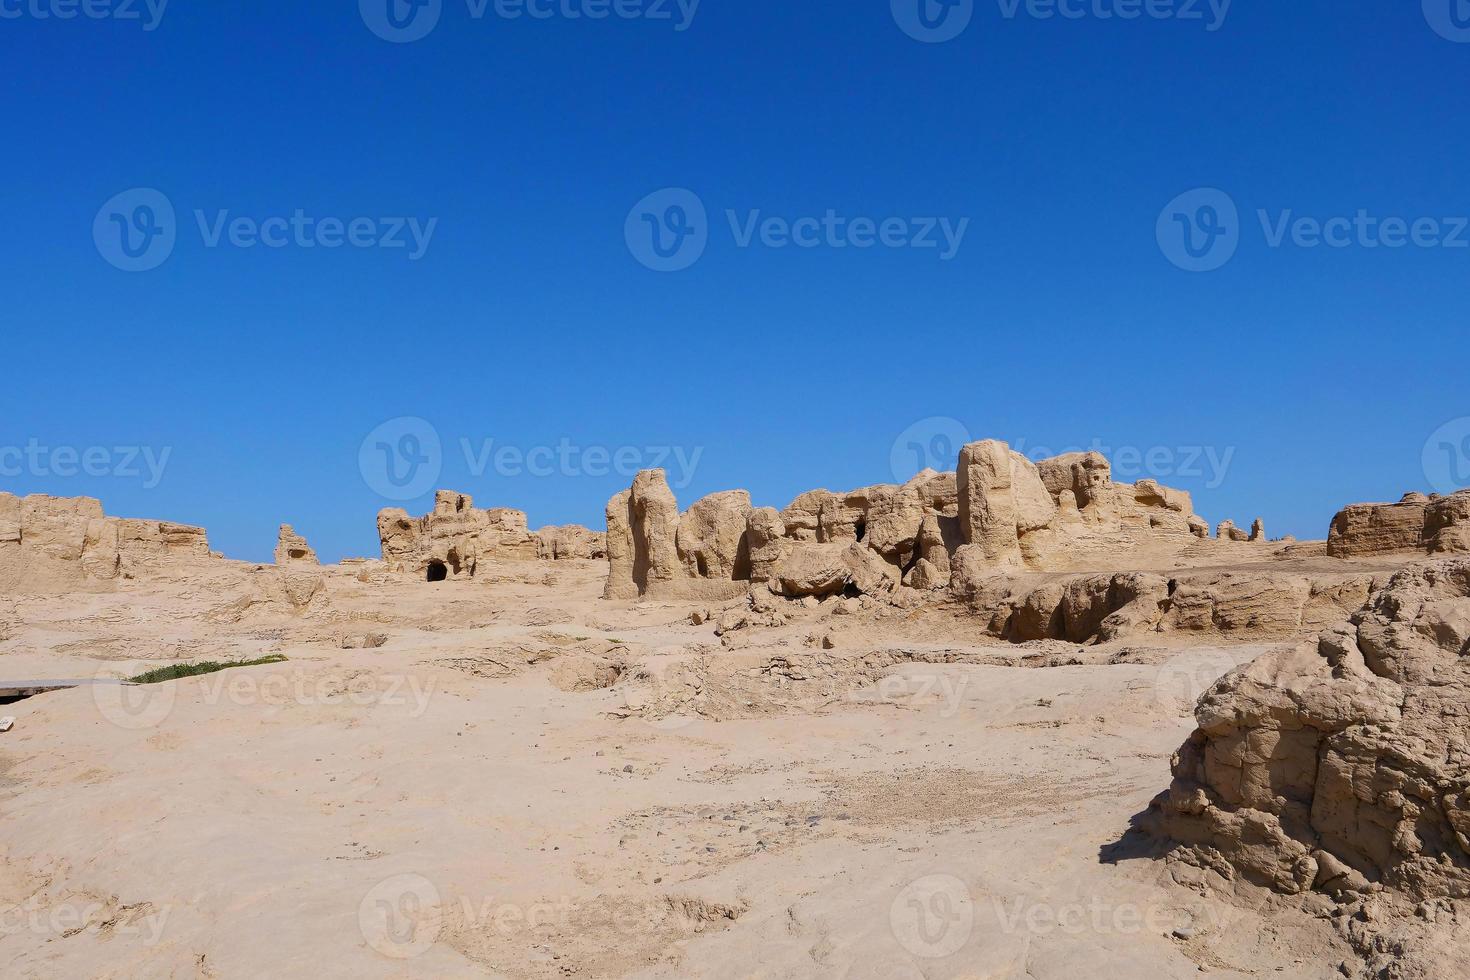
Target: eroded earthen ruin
[{"x": 67, "y": 543}]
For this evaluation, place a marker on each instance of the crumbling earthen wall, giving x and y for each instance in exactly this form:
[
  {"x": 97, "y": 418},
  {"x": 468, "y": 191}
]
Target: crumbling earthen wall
[
  {"x": 1431, "y": 525},
  {"x": 456, "y": 539},
  {"x": 291, "y": 548},
  {"x": 997, "y": 512},
  {"x": 59, "y": 544},
  {"x": 570, "y": 541}
]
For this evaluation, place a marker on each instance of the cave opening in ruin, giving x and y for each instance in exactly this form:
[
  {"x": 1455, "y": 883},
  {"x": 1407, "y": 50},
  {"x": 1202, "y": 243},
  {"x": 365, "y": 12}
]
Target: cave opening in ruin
[{"x": 438, "y": 571}]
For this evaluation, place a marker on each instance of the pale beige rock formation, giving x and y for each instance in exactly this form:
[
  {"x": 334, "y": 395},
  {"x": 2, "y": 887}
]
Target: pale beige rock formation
[
  {"x": 1087, "y": 475},
  {"x": 989, "y": 502},
  {"x": 52, "y": 544},
  {"x": 1363, "y": 530},
  {"x": 1447, "y": 525},
  {"x": 654, "y": 553},
  {"x": 570, "y": 541},
  {"x": 711, "y": 537},
  {"x": 764, "y": 542},
  {"x": 1010, "y": 513},
  {"x": 1258, "y": 530},
  {"x": 292, "y": 547},
  {"x": 1342, "y": 762},
  {"x": 1227, "y": 531},
  {"x": 1428, "y": 525},
  {"x": 454, "y": 539},
  {"x": 1101, "y": 607}
]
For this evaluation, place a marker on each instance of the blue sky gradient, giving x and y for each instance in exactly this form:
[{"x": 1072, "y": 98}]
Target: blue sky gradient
[{"x": 1318, "y": 373}]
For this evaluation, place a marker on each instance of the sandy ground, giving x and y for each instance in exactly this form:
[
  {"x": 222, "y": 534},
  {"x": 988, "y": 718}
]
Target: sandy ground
[{"x": 526, "y": 781}]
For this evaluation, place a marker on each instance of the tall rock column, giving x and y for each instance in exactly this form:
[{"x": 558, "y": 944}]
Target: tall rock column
[
  {"x": 987, "y": 501},
  {"x": 620, "y": 583},
  {"x": 655, "y": 531}
]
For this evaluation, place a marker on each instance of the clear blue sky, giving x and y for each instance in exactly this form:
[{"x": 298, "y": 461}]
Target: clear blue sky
[{"x": 528, "y": 319}]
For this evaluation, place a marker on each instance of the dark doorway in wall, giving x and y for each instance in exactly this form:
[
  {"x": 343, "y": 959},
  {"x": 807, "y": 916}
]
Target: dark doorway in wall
[{"x": 438, "y": 571}]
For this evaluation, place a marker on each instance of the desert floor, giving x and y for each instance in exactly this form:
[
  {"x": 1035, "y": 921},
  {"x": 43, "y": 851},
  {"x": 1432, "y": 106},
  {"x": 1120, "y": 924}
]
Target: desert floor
[{"x": 525, "y": 780}]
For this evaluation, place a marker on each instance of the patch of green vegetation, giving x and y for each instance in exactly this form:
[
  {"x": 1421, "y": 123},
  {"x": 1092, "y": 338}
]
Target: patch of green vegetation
[{"x": 174, "y": 671}]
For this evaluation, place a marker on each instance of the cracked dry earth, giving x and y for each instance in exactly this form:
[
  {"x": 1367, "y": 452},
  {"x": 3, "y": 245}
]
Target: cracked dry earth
[{"x": 516, "y": 778}]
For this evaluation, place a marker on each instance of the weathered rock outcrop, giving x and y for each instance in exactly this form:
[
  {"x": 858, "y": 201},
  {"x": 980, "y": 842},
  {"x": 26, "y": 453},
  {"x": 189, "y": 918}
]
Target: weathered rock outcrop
[
  {"x": 764, "y": 542},
  {"x": 1005, "y": 511},
  {"x": 1022, "y": 515},
  {"x": 1227, "y": 531},
  {"x": 1341, "y": 762},
  {"x": 1101, "y": 607},
  {"x": 1001, "y": 499},
  {"x": 454, "y": 539},
  {"x": 60, "y": 544},
  {"x": 654, "y": 553},
  {"x": 292, "y": 547},
  {"x": 1427, "y": 525},
  {"x": 570, "y": 541},
  {"x": 1362, "y": 530},
  {"x": 1447, "y": 525}
]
